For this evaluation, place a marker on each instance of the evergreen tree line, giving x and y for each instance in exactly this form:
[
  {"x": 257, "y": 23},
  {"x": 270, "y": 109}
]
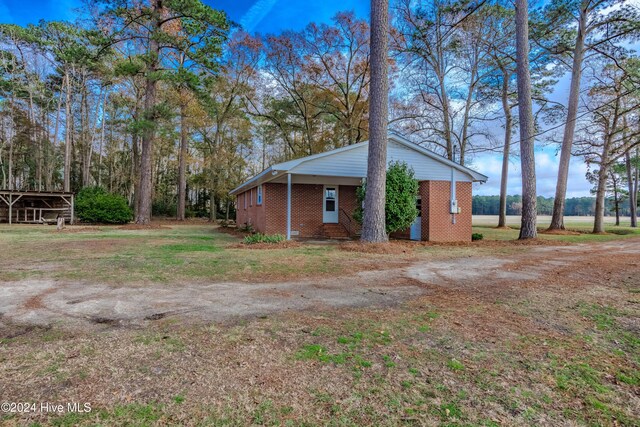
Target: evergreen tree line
[{"x": 574, "y": 206}]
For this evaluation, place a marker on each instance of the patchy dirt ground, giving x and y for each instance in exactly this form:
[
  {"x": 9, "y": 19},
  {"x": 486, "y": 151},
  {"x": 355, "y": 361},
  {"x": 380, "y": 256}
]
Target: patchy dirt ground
[
  {"x": 546, "y": 336},
  {"x": 81, "y": 303}
]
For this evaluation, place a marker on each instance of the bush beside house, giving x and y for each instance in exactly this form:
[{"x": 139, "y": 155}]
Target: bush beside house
[{"x": 401, "y": 193}]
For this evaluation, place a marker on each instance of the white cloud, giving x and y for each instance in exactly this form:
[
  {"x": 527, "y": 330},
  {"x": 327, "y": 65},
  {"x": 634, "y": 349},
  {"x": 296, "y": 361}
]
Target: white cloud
[{"x": 256, "y": 14}]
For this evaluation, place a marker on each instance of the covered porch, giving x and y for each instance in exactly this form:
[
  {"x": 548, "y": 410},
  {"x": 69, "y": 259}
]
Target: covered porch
[{"x": 319, "y": 205}]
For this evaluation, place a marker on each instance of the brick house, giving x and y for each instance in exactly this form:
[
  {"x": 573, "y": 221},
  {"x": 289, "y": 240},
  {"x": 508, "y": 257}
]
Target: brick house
[{"x": 315, "y": 196}]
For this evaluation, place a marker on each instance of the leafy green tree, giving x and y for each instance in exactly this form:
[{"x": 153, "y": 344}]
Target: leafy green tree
[{"x": 400, "y": 200}]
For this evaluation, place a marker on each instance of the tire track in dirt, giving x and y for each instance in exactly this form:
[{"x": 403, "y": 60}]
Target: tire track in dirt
[{"x": 84, "y": 303}]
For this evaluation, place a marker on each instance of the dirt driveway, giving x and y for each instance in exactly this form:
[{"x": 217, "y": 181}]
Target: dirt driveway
[{"x": 84, "y": 303}]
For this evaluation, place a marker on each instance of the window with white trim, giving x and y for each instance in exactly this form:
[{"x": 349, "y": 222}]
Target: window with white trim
[
  {"x": 251, "y": 197},
  {"x": 259, "y": 196},
  {"x": 245, "y": 200}
]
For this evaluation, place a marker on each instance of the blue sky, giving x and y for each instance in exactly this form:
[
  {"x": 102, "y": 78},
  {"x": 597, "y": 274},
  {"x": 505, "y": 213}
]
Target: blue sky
[
  {"x": 273, "y": 16},
  {"x": 264, "y": 16}
]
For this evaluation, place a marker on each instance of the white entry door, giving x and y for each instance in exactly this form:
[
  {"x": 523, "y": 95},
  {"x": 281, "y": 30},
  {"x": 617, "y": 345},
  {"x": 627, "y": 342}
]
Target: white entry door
[
  {"x": 330, "y": 208},
  {"x": 415, "y": 232}
]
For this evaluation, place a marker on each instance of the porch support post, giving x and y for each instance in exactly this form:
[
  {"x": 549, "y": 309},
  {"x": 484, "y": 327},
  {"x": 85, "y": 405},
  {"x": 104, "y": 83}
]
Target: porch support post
[
  {"x": 72, "y": 209},
  {"x": 288, "y": 206},
  {"x": 10, "y": 207}
]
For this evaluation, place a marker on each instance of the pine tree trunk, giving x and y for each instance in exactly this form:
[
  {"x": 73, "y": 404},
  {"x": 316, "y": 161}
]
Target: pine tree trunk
[
  {"x": 11, "y": 137},
  {"x": 182, "y": 169},
  {"x": 135, "y": 164},
  {"x": 616, "y": 202},
  {"x": 212, "y": 206},
  {"x": 636, "y": 180},
  {"x": 630, "y": 186},
  {"x": 598, "y": 222},
  {"x": 527, "y": 157},
  {"x": 145, "y": 195},
  {"x": 557, "y": 218},
  {"x": 373, "y": 225},
  {"x": 67, "y": 136},
  {"x": 104, "y": 119},
  {"x": 506, "y": 108},
  {"x": 54, "y": 139}
]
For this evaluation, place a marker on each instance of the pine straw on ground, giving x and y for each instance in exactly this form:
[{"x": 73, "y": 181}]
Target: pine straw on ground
[
  {"x": 391, "y": 248},
  {"x": 406, "y": 246},
  {"x": 560, "y": 232}
]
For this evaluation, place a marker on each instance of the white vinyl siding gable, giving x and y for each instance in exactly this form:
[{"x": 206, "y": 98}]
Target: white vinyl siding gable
[
  {"x": 345, "y": 163},
  {"x": 353, "y": 163},
  {"x": 425, "y": 168}
]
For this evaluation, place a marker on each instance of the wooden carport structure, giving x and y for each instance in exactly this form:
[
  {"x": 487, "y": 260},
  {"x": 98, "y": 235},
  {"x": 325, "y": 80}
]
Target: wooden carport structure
[{"x": 35, "y": 207}]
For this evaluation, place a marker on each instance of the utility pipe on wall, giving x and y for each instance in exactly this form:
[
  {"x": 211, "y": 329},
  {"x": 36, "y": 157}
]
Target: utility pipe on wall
[
  {"x": 454, "y": 204},
  {"x": 288, "y": 206}
]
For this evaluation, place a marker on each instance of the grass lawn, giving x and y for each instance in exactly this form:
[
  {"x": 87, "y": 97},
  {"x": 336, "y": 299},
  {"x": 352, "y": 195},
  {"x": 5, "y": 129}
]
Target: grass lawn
[
  {"x": 169, "y": 255},
  {"x": 582, "y": 227},
  {"x": 558, "y": 347},
  {"x": 198, "y": 253}
]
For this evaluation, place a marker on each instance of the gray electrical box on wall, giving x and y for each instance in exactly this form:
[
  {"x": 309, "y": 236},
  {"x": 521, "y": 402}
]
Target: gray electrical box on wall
[{"x": 454, "y": 207}]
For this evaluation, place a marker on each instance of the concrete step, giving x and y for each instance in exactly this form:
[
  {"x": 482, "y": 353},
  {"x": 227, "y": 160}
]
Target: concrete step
[{"x": 332, "y": 230}]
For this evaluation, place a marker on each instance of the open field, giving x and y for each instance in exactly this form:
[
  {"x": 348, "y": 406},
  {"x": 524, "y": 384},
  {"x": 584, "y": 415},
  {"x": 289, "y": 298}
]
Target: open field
[
  {"x": 544, "y": 221},
  {"x": 181, "y": 325}
]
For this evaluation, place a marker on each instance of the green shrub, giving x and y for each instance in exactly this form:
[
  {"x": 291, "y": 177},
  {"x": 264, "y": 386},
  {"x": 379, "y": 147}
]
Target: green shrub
[
  {"x": 400, "y": 199},
  {"x": 95, "y": 205},
  {"x": 477, "y": 236},
  {"x": 263, "y": 238}
]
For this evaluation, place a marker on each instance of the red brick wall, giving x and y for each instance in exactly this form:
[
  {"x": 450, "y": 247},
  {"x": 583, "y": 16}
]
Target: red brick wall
[
  {"x": 306, "y": 208},
  {"x": 253, "y": 213},
  {"x": 436, "y": 220}
]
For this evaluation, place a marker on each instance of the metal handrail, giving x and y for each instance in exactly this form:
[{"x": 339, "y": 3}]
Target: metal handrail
[{"x": 349, "y": 229}]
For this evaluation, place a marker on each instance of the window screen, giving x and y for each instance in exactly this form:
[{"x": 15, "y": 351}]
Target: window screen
[{"x": 330, "y": 199}]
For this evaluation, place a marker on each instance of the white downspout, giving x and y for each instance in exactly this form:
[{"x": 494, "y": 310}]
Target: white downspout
[
  {"x": 288, "y": 206},
  {"x": 454, "y": 204}
]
